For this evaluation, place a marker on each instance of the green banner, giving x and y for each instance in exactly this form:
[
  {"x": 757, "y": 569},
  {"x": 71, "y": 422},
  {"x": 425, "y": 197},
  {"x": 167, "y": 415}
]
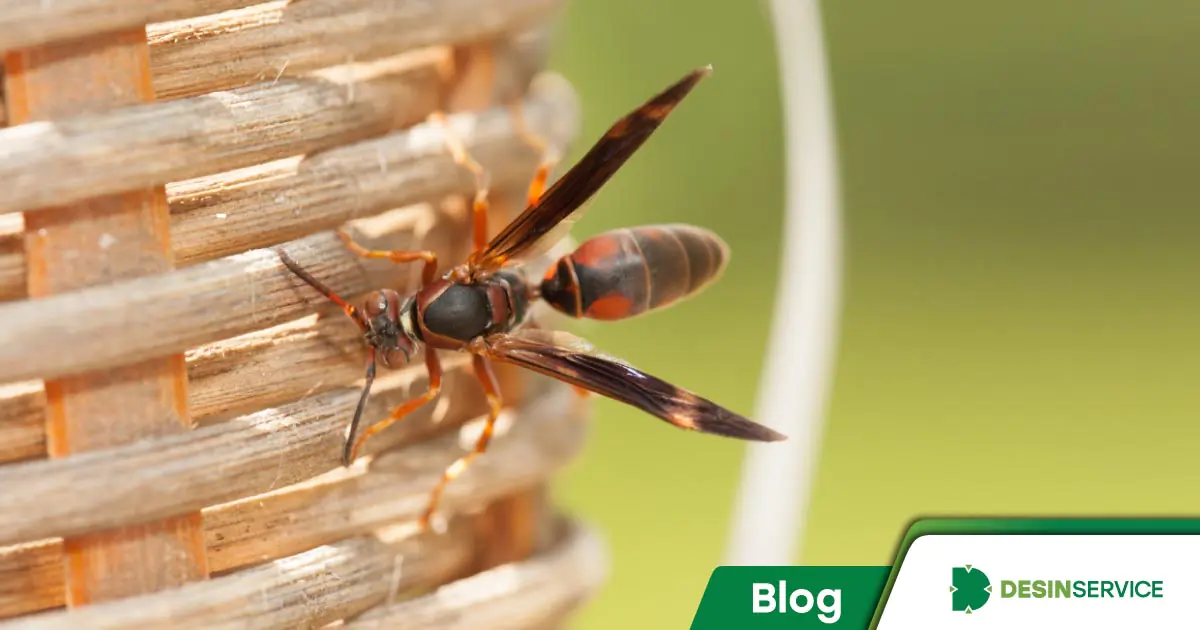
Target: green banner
[
  {"x": 969, "y": 583},
  {"x": 790, "y": 597},
  {"x": 945, "y": 590}
]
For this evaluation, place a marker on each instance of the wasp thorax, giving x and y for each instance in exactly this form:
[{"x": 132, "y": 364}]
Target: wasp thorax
[{"x": 385, "y": 332}]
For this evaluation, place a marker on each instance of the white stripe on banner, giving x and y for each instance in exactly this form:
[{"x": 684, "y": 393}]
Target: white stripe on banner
[{"x": 1047, "y": 581}]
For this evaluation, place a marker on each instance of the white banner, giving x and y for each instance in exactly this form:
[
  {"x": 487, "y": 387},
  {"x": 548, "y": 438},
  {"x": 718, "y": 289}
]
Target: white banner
[{"x": 1047, "y": 581}]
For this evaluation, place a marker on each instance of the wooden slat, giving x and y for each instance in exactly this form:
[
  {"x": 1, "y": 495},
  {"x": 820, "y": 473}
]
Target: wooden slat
[
  {"x": 12, "y": 256},
  {"x": 144, "y": 145},
  {"x": 342, "y": 502},
  {"x": 179, "y": 48},
  {"x": 22, "y": 421},
  {"x": 518, "y": 595},
  {"x": 267, "y": 204},
  {"x": 347, "y": 502},
  {"x": 25, "y": 23},
  {"x": 525, "y": 50},
  {"x": 157, "y": 478},
  {"x": 256, "y": 370},
  {"x": 172, "y": 312},
  {"x": 307, "y": 590},
  {"x": 549, "y": 435},
  {"x": 513, "y": 528},
  {"x": 259, "y": 369},
  {"x": 295, "y": 197},
  {"x": 243, "y": 374},
  {"x": 91, "y": 242},
  {"x": 340, "y": 580},
  {"x": 238, "y": 48}
]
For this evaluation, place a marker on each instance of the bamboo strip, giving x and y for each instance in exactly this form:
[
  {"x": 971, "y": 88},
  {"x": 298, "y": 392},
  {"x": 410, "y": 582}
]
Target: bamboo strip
[
  {"x": 340, "y": 580},
  {"x": 85, "y": 242},
  {"x": 518, "y": 595},
  {"x": 185, "y": 308},
  {"x": 267, "y": 204},
  {"x": 26, "y": 23},
  {"x": 343, "y": 502},
  {"x": 189, "y": 307},
  {"x": 239, "y": 375},
  {"x": 296, "y": 358},
  {"x": 243, "y": 374},
  {"x": 307, "y": 590},
  {"x": 522, "y": 52},
  {"x": 22, "y": 421},
  {"x": 549, "y": 435},
  {"x": 74, "y": 158},
  {"x": 294, "y": 197},
  {"x": 12, "y": 256},
  {"x": 273, "y": 39},
  {"x": 157, "y": 478}
]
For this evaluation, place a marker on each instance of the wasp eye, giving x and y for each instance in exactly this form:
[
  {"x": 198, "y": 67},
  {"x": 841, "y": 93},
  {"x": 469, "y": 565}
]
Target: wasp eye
[{"x": 376, "y": 303}]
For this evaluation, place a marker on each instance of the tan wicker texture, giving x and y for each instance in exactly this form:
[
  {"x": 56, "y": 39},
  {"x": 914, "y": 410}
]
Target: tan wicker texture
[{"x": 173, "y": 401}]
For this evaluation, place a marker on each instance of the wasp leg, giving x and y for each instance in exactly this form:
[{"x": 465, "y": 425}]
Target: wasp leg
[
  {"x": 549, "y": 157},
  {"x": 434, "y": 367},
  {"x": 479, "y": 206},
  {"x": 428, "y": 272},
  {"x": 487, "y": 378}
]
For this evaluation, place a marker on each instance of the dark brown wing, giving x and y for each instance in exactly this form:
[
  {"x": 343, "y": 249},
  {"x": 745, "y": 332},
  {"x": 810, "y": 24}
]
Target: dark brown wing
[
  {"x": 570, "y": 359},
  {"x": 559, "y": 206}
]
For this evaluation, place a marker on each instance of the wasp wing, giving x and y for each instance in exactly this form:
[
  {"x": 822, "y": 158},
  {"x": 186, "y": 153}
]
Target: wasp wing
[
  {"x": 549, "y": 218},
  {"x": 572, "y": 360}
]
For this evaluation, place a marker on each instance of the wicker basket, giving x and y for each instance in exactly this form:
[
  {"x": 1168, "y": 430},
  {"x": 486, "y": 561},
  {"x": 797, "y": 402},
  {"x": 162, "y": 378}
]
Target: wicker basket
[{"x": 190, "y": 393}]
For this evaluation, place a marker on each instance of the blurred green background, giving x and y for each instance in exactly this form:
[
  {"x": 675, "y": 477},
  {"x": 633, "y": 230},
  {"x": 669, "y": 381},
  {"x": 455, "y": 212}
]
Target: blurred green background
[{"x": 1020, "y": 321}]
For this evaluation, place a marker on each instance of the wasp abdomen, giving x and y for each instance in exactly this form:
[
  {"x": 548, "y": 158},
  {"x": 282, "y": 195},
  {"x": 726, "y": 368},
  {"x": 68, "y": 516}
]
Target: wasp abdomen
[{"x": 627, "y": 272}]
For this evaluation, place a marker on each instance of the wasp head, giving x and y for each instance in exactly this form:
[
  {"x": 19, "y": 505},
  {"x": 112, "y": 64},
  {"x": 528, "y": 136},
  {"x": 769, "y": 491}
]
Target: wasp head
[{"x": 389, "y": 328}]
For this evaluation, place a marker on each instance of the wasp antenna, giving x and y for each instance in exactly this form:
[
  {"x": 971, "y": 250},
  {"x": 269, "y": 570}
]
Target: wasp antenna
[
  {"x": 351, "y": 436},
  {"x": 320, "y": 287}
]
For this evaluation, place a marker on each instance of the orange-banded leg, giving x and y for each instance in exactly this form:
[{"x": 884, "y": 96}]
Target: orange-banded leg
[
  {"x": 479, "y": 206},
  {"x": 428, "y": 273},
  {"x": 549, "y": 157},
  {"x": 434, "y": 367},
  {"x": 487, "y": 378}
]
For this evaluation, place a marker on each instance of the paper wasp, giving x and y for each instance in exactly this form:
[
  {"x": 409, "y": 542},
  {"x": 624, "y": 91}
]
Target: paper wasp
[{"x": 481, "y": 306}]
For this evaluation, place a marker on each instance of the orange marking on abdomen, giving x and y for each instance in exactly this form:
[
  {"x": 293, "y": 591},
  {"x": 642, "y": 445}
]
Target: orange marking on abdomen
[
  {"x": 611, "y": 307},
  {"x": 599, "y": 249}
]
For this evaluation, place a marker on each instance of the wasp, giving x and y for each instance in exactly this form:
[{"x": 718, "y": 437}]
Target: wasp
[{"x": 482, "y": 305}]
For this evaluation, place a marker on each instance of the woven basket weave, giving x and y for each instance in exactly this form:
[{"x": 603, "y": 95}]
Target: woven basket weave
[{"x": 173, "y": 401}]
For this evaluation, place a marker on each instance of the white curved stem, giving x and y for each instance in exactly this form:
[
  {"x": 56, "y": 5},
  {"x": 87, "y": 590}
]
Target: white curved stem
[{"x": 777, "y": 477}]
